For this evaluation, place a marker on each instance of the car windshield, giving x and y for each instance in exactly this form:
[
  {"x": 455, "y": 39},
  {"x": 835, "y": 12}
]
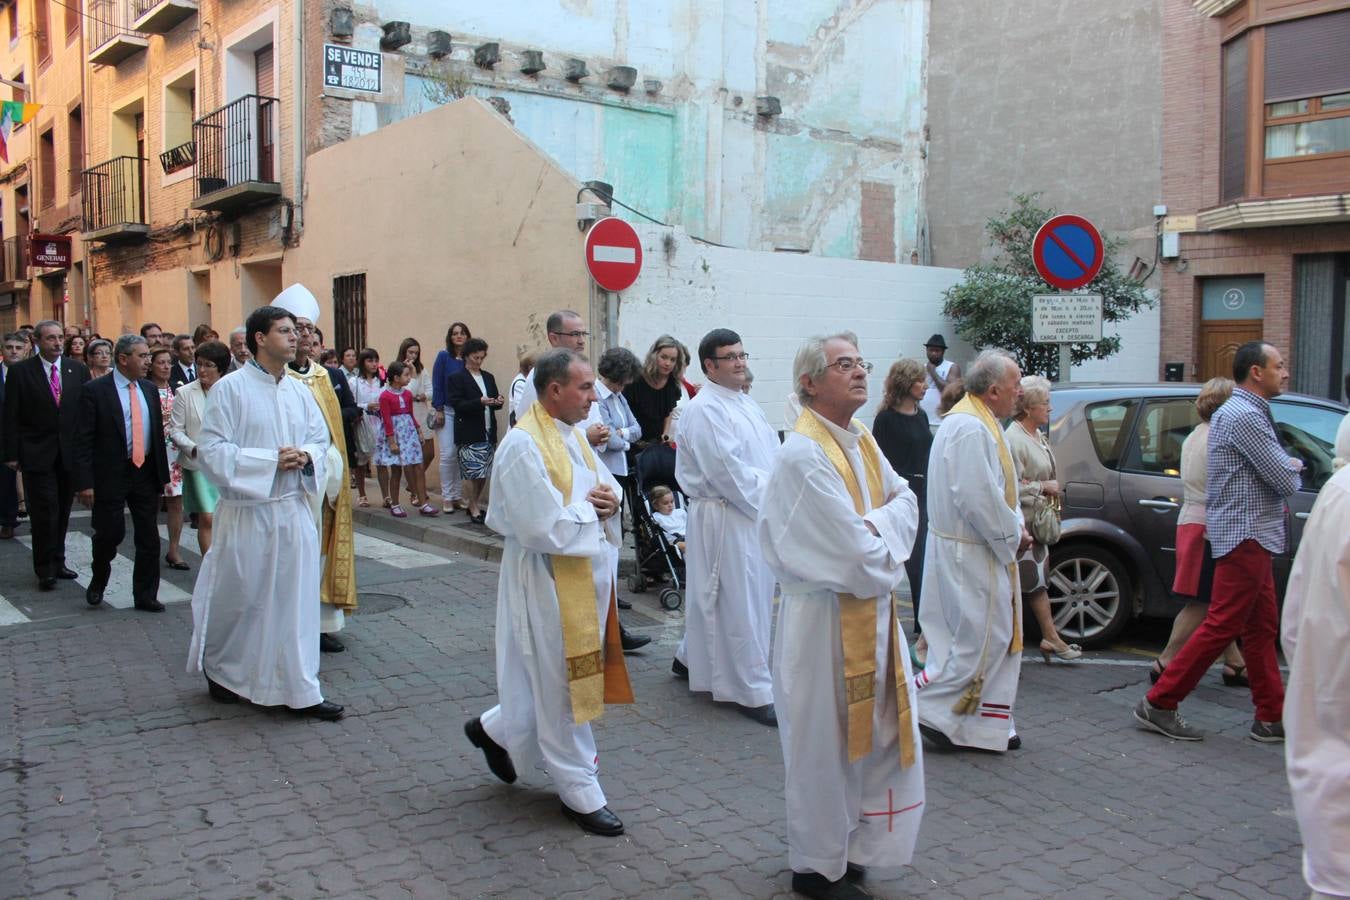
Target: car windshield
[{"x": 1308, "y": 432}]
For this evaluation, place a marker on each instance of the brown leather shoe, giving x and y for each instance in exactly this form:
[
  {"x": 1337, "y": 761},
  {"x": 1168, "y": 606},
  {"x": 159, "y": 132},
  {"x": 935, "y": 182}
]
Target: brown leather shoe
[{"x": 6, "y": 532}]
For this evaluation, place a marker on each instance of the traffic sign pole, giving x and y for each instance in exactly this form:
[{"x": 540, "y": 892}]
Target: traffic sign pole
[{"x": 1065, "y": 363}]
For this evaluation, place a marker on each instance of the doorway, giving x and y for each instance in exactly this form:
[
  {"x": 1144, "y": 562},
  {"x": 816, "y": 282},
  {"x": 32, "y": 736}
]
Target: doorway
[{"x": 1232, "y": 313}]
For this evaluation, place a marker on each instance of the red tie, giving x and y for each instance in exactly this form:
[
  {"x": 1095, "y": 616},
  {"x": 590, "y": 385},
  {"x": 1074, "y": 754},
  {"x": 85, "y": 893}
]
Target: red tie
[
  {"x": 137, "y": 433},
  {"x": 56, "y": 385}
]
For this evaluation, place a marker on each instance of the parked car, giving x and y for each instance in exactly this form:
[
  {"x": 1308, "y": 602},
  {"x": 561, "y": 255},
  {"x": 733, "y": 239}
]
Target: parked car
[{"x": 1118, "y": 454}]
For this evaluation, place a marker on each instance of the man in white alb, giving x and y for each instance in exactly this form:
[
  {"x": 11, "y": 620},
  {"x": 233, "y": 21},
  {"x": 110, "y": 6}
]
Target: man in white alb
[
  {"x": 940, "y": 372},
  {"x": 264, "y": 444},
  {"x": 558, "y": 654},
  {"x": 836, "y": 527},
  {"x": 975, "y": 530},
  {"x": 725, "y": 453}
]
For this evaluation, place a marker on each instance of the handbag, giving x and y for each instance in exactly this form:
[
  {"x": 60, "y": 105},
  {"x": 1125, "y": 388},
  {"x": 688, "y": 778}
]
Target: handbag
[
  {"x": 364, "y": 434},
  {"x": 1045, "y": 523}
]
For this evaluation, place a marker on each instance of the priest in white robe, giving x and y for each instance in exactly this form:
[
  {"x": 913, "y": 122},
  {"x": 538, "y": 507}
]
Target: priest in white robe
[
  {"x": 264, "y": 445},
  {"x": 558, "y": 654},
  {"x": 973, "y": 623},
  {"x": 1316, "y": 635},
  {"x": 725, "y": 453},
  {"x": 837, "y": 525}
]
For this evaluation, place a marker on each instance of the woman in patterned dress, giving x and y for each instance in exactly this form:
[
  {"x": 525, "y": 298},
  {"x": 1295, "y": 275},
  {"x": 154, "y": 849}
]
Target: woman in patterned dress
[{"x": 161, "y": 364}]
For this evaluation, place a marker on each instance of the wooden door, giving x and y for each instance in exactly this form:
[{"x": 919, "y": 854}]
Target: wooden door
[{"x": 1219, "y": 342}]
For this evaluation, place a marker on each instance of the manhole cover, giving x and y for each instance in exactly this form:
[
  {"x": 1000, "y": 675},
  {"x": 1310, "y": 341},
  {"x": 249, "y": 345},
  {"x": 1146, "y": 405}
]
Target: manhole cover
[{"x": 374, "y": 604}]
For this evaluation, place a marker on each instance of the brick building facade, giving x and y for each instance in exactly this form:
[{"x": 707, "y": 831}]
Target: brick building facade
[{"x": 1256, "y": 177}]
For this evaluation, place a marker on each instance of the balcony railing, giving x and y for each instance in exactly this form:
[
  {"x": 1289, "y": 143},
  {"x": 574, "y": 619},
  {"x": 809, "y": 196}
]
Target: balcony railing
[
  {"x": 112, "y": 36},
  {"x": 160, "y": 16},
  {"x": 14, "y": 262},
  {"x": 236, "y": 154},
  {"x": 114, "y": 200}
]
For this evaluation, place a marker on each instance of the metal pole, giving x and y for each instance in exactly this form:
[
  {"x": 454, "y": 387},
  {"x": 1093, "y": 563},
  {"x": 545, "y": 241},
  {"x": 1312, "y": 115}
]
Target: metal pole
[
  {"x": 611, "y": 320},
  {"x": 1065, "y": 363}
]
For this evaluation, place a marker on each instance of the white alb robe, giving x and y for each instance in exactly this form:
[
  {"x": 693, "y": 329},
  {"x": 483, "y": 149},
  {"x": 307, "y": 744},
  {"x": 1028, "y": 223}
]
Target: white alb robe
[
  {"x": 255, "y": 625},
  {"x": 725, "y": 454},
  {"x": 967, "y": 610},
  {"x": 866, "y": 812},
  {"x": 1316, "y": 635},
  {"x": 533, "y": 719},
  {"x": 331, "y": 618}
]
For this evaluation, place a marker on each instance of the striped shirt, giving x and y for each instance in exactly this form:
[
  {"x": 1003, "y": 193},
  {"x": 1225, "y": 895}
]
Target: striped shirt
[{"x": 1249, "y": 475}]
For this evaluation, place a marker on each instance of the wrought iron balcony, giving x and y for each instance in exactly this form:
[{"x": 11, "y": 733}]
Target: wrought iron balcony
[
  {"x": 112, "y": 36},
  {"x": 14, "y": 264},
  {"x": 160, "y": 16},
  {"x": 236, "y": 154},
  {"x": 114, "y": 201}
]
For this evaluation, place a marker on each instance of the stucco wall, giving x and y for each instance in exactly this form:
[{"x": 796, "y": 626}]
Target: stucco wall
[
  {"x": 775, "y": 300},
  {"x": 694, "y": 153}
]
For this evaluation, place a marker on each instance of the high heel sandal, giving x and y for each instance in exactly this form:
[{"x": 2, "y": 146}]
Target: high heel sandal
[
  {"x": 1155, "y": 671},
  {"x": 1070, "y": 651},
  {"x": 1238, "y": 678}
]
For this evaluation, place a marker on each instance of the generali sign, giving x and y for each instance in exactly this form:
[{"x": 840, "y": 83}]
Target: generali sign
[{"x": 49, "y": 251}]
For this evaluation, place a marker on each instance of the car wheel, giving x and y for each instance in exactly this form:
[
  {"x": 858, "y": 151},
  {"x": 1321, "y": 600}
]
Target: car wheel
[{"x": 1090, "y": 594}]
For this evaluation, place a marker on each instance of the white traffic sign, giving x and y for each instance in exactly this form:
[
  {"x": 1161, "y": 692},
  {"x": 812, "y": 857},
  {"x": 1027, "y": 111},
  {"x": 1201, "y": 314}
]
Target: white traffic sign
[{"x": 1066, "y": 318}]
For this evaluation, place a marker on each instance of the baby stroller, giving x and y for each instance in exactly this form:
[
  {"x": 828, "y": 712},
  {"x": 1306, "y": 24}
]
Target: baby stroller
[{"x": 657, "y": 557}]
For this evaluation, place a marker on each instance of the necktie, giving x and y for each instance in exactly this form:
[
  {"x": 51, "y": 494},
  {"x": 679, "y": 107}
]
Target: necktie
[
  {"x": 137, "y": 432},
  {"x": 56, "y": 385},
  {"x": 192, "y": 373}
]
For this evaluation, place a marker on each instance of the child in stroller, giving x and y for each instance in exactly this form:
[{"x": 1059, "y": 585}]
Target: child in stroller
[
  {"x": 658, "y": 558},
  {"x": 674, "y": 522}
]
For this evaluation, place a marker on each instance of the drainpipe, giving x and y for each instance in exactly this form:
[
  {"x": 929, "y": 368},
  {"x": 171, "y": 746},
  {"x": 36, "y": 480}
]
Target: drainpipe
[
  {"x": 298, "y": 128},
  {"x": 87, "y": 299}
]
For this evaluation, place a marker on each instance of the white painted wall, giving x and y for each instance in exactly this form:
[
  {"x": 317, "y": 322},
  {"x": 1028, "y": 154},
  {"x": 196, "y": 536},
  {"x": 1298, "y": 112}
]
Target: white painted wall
[
  {"x": 1138, "y": 359},
  {"x": 775, "y": 300}
]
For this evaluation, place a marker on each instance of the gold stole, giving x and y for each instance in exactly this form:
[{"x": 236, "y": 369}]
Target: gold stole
[
  {"x": 858, "y": 615},
  {"x": 595, "y": 675},
  {"x": 338, "y": 584}
]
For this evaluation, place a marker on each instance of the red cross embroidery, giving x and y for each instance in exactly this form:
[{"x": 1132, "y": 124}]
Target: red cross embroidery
[{"x": 891, "y": 812}]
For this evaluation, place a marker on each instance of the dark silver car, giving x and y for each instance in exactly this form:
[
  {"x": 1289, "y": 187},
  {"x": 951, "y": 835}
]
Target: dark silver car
[{"x": 1118, "y": 453}]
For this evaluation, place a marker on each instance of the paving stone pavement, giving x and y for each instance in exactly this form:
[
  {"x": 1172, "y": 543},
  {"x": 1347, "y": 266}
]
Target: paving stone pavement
[{"x": 120, "y": 778}]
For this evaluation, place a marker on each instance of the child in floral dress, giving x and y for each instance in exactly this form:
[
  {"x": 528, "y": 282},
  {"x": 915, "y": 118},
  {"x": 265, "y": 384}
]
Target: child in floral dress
[{"x": 398, "y": 444}]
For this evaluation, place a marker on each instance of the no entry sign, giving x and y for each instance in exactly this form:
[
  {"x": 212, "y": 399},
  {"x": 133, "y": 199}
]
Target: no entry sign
[
  {"x": 1067, "y": 252},
  {"x": 613, "y": 254}
]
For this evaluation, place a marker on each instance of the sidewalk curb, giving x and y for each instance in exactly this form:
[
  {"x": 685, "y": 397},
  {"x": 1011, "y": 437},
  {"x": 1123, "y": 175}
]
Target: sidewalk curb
[{"x": 485, "y": 548}]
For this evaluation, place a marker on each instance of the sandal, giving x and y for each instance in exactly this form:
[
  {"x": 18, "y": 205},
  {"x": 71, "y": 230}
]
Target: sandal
[
  {"x": 1238, "y": 677},
  {"x": 397, "y": 512},
  {"x": 363, "y": 503},
  {"x": 1155, "y": 672},
  {"x": 388, "y": 504},
  {"x": 428, "y": 510}
]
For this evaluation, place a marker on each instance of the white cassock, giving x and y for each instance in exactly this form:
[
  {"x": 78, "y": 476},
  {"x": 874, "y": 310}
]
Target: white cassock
[
  {"x": 969, "y": 620},
  {"x": 255, "y": 627},
  {"x": 528, "y": 395},
  {"x": 725, "y": 454},
  {"x": 1316, "y": 638},
  {"x": 866, "y": 812},
  {"x": 533, "y": 719}
]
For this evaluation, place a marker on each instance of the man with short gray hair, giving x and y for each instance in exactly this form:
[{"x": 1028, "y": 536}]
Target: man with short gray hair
[
  {"x": 971, "y": 612},
  {"x": 239, "y": 355}
]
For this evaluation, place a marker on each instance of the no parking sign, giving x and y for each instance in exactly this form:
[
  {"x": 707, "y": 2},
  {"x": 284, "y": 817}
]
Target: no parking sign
[{"x": 1067, "y": 252}]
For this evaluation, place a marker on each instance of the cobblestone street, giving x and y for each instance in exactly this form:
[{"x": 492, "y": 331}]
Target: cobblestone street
[{"x": 122, "y": 778}]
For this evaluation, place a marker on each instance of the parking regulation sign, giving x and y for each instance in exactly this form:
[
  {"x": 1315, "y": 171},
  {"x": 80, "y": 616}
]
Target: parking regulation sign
[
  {"x": 1067, "y": 252},
  {"x": 1066, "y": 318}
]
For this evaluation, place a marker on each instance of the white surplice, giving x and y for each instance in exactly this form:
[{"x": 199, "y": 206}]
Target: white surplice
[
  {"x": 866, "y": 812},
  {"x": 331, "y": 618},
  {"x": 533, "y": 719},
  {"x": 967, "y": 611},
  {"x": 726, "y": 451},
  {"x": 255, "y": 625},
  {"x": 1316, "y": 635}
]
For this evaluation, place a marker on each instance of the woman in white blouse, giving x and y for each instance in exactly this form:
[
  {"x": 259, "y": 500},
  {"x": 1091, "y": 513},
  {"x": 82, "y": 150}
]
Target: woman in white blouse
[
  {"x": 189, "y": 407},
  {"x": 410, "y": 354}
]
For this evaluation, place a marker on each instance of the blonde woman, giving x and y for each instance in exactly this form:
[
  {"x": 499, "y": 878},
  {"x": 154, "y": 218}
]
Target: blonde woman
[
  {"x": 1036, "y": 479},
  {"x": 1195, "y": 565},
  {"x": 653, "y": 395}
]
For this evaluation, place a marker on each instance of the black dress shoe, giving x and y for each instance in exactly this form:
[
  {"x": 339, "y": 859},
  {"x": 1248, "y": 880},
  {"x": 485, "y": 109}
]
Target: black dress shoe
[
  {"x": 631, "y": 641},
  {"x": 679, "y": 670},
  {"x": 220, "y": 694},
  {"x": 7, "y": 533},
  {"x": 93, "y": 595},
  {"x": 176, "y": 564},
  {"x": 813, "y": 884},
  {"x": 47, "y": 584},
  {"x": 326, "y": 710},
  {"x": 498, "y": 759},
  {"x": 1015, "y": 742},
  {"x": 67, "y": 574},
  {"x": 330, "y": 644},
  {"x": 856, "y": 873},
  {"x": 601, "y": 822},
  {"x": 937, "y": 738},
  {"x": 623, "y": 604},
  {"x": 764, "y": 715},
  {"x": 151, "y": 605}
]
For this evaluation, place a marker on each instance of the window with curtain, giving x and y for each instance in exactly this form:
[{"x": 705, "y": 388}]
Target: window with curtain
[{"x": 1307, "y": 86}]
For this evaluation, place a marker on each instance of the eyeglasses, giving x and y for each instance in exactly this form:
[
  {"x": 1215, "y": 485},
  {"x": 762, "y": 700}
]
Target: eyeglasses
[
  {"x": 571, "y": 334},
  {"x": 733, "y": 357},
  {"x": 849, "y": 363}
]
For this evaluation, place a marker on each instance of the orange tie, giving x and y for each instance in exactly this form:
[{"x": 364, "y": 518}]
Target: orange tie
[{"x": 137, "y": 432}]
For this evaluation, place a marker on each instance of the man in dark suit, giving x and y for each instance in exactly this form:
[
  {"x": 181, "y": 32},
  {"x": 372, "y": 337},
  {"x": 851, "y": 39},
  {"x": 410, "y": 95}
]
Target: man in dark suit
[
  {"x": 184, "y": 369},
  {"x": 42, "y": 406},
  {"x": 15, "y": 348},
  {"x": 121, "y": 462}
]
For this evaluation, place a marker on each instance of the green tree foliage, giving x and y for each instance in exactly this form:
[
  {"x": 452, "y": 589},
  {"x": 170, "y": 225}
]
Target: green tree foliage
[{"x": 991, "y": 307}]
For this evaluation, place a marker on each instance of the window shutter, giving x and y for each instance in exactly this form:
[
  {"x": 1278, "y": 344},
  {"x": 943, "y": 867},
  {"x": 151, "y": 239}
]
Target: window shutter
[
  {"x": 263, "y": 64},
  {"x": 1233, "y": 124},
  {"x": 1308, "y": 57}
]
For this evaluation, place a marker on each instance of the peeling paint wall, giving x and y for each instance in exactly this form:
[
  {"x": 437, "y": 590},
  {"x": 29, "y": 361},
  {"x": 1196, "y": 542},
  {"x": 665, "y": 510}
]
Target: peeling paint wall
[{"x": 693, "y": 152}]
